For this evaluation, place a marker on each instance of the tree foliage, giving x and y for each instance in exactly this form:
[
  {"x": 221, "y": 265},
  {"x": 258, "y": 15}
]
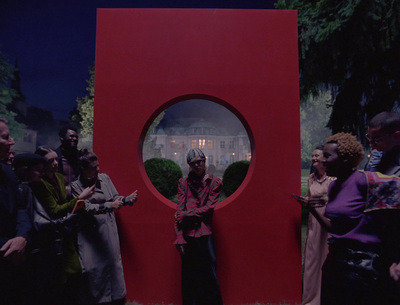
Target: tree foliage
[
  {"x": 352, "y": 49},
  {"x": 164, "y": 174},
  {"x": 234, "y": 176},
  {"x": 6, "y": 96},
  {"x": 314, "y": 116},
  {"x": 150, "y": 150},
  {"x": 83, "y": 115}
]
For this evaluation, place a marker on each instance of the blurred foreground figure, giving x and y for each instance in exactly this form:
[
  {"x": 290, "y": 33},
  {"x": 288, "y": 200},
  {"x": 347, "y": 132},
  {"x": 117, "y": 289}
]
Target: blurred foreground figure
[
  {"x": 384, "y": 139},
  {"x": 198, "y": 195},
  {"x": 15, "y": 226}
]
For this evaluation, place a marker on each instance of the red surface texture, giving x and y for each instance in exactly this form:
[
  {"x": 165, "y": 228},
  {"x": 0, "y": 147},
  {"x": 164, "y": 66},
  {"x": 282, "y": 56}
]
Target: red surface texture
[{"x": 246, "y": 60}]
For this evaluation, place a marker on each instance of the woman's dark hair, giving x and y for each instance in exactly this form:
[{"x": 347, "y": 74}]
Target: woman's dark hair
[
  {"x": 43, "y": 150},
  {"x": 319, "y": 147},
  {"x": 87, "y": 159}
]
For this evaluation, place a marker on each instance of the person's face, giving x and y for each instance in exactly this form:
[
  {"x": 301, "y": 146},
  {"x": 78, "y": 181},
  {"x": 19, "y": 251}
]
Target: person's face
[
  {"x": 91, "y": 171},
  {"x": 70, "y": 139},
  {"x": 380, "y": 140},
  {"x": 5, "y": 141},
  {"x": 10, "y": 157},
  {"x": 317, "y": 158},
  {"x": 52, "y": 165},
  {"x": 198, "y": 167},
  {"x": 332, "y": 161},
  {"x": 36, "y": 173}
]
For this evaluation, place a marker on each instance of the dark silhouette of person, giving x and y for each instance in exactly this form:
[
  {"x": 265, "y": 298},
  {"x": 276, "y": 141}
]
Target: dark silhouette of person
[{"x": 68, "y": 155}]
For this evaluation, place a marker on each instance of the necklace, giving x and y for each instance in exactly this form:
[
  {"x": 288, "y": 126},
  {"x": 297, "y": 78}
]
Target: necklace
[{"x": 321, "y": 180}]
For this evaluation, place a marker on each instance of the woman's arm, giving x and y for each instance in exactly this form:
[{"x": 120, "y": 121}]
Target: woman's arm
[
  {"x": 56, "y": 206},
  {"x": 317, "y": 213},
  {"x": 94, "y": 205}
]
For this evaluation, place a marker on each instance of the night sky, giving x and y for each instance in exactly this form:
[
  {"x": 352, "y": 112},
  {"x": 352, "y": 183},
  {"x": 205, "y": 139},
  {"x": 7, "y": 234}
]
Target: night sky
[{"x": 54, "y": 43}]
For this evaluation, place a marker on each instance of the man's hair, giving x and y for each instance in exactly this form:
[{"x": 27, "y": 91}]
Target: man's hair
[
  {"x": 86, "y": 160},
  {"x": 348, "y": 147},
  {"x": 63, "y": 130},
  {"x": 387, "y": 121}
]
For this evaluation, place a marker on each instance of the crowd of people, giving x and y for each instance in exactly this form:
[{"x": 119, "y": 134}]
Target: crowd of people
[
  {"x": 356, "y": 214},
  {"x": 59, "y": 240}
]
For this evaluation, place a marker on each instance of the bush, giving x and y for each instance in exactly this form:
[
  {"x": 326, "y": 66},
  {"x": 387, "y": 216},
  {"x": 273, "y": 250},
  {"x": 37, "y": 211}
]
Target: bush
[
  {"x": 234, "y": 176},
  {"x": 164, "y": 174}
]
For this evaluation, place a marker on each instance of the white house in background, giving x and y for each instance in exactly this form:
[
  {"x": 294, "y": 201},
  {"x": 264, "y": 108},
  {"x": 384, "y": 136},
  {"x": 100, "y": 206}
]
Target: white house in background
[{"x": 221, "y": 146}]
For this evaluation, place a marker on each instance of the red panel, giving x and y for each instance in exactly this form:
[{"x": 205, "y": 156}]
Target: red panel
[{"x": 147, "y": 59}]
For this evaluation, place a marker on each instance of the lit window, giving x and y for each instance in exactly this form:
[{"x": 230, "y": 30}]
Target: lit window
[
  {"x": 202, "y": 143},
  {"x": 210, "y": 144},
  {"x": 194, "y": 144}
]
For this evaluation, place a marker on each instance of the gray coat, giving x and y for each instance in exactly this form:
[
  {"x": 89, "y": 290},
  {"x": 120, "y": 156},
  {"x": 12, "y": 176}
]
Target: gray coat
[{"x": 98, "y": 245}]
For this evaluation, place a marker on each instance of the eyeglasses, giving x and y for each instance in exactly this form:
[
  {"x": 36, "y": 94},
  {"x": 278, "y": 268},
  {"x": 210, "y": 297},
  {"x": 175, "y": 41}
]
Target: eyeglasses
[
  {"x": 375, "y": 139},
  {"x": 196, "y": 162}
]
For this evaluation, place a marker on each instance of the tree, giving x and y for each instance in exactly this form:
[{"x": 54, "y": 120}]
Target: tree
[
  {"x": 149, "y": 144},
  {"x": 6, "y": 96},
  {"x": 83, "y": 115},
  {"x": 351, "y": 49},
  {"x": 234, "y": 176},
  {"x": 164, "y": 174},
  {"x": 314, "y": 116}
]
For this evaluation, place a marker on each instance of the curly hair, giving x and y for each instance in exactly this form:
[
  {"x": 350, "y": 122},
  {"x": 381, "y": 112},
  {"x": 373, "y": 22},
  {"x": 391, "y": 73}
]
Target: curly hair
[{"x": 348, "y": 147}]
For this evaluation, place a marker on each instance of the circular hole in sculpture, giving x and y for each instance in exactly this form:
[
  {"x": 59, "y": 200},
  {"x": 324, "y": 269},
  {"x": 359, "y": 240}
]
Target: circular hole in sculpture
[{"x": 196, "y": 123}]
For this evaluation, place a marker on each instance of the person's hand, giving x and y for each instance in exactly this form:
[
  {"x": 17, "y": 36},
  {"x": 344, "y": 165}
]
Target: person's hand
[
  {"x": 87, "y": 192},
  {"x": 181, "y": 249},
  {"x": 14, "y": 249},
  {"x": 311, "y": 202},
  {"x": 132, "y": 197},
  {"x": 301, "y": 199},
  {"x": 117, "y": 204},
  {"x": 394, "y": 271},
  {"x": 316, "y": 201},
  {"x": 179, "y": 215}
]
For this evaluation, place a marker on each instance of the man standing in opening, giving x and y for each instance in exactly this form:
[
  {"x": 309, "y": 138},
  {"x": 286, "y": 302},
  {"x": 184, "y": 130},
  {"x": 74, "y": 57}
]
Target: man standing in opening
[
  {"x": 198, "y": 195},
  {"x": 68, "y": 155}
]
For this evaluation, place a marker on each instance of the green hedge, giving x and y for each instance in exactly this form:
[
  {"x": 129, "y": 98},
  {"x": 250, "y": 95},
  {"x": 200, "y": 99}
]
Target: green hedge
[
  {"x": 234, "y": 176},
  {"x": 164, "y": 174}
]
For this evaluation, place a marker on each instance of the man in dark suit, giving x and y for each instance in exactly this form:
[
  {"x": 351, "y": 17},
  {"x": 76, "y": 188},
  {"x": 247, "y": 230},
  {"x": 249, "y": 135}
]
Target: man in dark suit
[
  {"x": 68, "y": 155},
  {"x": 384, "y": 136},
  {"x": 15, "y": 226}
]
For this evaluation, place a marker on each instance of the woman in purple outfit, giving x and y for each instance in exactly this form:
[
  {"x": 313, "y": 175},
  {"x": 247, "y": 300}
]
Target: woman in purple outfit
[{"x": 362, "y": 244}]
